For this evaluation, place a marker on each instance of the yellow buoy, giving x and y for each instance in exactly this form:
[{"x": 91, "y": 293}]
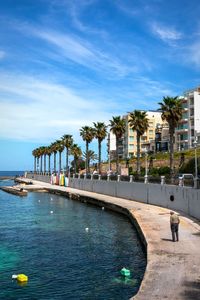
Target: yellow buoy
[{"x": 22, "y": 278}]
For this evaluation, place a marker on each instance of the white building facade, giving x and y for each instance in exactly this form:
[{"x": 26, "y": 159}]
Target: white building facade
[{"x": 189, "y": 126}]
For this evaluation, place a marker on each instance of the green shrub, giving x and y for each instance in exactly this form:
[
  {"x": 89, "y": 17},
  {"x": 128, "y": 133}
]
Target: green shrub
[
  {"x": 189, "y": 167},
  {"x": 165, "y": 170}
]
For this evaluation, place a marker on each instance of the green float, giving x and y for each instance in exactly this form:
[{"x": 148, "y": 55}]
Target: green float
[{"x": 125, "y": 272}]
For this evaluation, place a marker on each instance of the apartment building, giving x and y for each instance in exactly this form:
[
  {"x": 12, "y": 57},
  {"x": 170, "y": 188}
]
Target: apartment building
[
  {"x": 128, "y": 144},
  {"x": 189, "y": 126},
  {"x": 147, "y": 141}
]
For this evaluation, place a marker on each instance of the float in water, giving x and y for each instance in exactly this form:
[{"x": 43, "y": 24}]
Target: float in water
[{"x": 20, "y": 277}]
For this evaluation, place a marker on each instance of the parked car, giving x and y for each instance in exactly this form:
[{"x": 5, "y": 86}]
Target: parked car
[
  {"x": 186, "y": 179},
  {"x": 186, "y": 176}
]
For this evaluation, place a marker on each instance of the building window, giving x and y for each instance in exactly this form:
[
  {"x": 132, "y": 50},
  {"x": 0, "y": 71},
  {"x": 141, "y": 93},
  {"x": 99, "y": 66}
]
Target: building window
[
  {"x": 150, "y": 131},
  {"x": 131, "y": 138},
  {"x": 131, "y": 147}
]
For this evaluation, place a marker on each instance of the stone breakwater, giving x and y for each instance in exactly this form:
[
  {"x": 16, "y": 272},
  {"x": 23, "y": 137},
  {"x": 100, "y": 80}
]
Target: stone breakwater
[{"x": 172, "y": 270}]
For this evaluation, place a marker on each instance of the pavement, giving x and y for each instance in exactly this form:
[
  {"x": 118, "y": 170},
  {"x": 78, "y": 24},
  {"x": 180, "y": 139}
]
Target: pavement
[{"x": 173, "y": 268}]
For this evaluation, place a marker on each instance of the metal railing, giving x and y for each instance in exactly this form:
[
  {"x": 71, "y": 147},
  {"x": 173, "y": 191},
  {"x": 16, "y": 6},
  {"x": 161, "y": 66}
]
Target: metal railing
[{"x": 131, "y": 178}]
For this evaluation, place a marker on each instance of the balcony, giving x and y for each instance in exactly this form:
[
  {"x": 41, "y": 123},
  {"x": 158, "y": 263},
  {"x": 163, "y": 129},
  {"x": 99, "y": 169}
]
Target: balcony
[
  {"x": 184, "y": 100},
  {"x": 181, "y": 130}
]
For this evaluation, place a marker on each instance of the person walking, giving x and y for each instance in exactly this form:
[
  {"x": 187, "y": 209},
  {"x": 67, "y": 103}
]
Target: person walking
[{"x": 174, "y": 224}]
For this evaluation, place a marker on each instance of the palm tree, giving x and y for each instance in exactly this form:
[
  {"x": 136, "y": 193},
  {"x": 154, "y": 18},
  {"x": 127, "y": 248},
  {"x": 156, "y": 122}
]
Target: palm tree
[
  {"x": 34, "y": 153},
  {"x": 60, "y": 148},
  {"x": 76, "y": 152},
  {"x": 138, "y": 122},
  {"x": 40, "y": 154},
  {"x": 67, "y": 142},
  {"x": 100, "y": 131},
  {"x": 45, "y": 153},
  {"x": 118, "y": 127},
  {"x": 171, "y": 109},
  {"x": 91, "y": 155},
  {"x": 49, "y": 152},
  {"x": 54, "y": 150},
  {"x": 87, "y": 134},
  {"x": 37, "y": 151}
]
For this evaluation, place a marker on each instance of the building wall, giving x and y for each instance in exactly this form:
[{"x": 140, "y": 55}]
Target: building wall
[{"x": 189, "y": 126}]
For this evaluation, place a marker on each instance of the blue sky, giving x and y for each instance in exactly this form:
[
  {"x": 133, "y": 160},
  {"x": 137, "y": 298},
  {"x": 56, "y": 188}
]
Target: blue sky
[{"x": 66, "y": 64}]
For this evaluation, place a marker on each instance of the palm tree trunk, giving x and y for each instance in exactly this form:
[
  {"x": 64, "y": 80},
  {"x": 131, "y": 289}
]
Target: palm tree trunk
[
  {"x": 44, "y": 163},
  {"x": 171, "y": 160},
  {"x": 74, "y": 164},
  {"x": 54, "y": 162},
  {"x": 34, "y": 164},
  {"x": 138, "y": 153},
  {"x": 60, "y": 161},
  {"x": 41, "y": 164},
  {"x": 67, "y": 159},
  {"x": 99, "y": 150},
  {"x": 38, "y": 164},
  {"x": 49, "y": 163},
  {"x": 117, "y": 156},
  {"x": 86, "y": 162}
]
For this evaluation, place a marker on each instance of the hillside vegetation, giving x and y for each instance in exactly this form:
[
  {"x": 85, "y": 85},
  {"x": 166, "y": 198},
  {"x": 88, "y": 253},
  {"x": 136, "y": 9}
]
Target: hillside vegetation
[{"x": 158, "y": 163}]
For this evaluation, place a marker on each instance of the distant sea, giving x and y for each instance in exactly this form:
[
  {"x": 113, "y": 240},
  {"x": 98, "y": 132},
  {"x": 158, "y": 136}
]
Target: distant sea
[{"x": 11, "y": 173}]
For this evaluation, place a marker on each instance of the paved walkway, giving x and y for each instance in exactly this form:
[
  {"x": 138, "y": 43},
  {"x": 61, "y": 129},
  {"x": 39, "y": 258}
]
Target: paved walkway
[{"x": 173, "y": 268}]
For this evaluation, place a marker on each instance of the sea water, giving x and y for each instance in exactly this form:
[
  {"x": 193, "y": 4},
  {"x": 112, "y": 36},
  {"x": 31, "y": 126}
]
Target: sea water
[
  {"x": 11, "y": 173},
  {"x": 69, "y": 250}
]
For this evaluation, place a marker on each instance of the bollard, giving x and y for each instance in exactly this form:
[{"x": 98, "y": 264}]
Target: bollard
[
  {"x": 73, "y": 176},
  {"x": 108, "y": 177},
  {"x": 118, "y": 178},
  {"x": 91, "y": 176},
  {"x": 162, "y": 180},
  {"x": 85, "y": 175},
  {"x": 146, "y": 179},
  {"x": 79, "y": 176},
  {"x": 131, "y": 178},
  {"x": 180, "y": 181},
  {"x": 99, "y": 177}
]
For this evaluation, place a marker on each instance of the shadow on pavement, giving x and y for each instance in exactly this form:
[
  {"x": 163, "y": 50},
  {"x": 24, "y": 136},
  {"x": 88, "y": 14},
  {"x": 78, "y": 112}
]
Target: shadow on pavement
[
  {"x": 168, "y": 240},
  {"x": 192, "y": 290}
]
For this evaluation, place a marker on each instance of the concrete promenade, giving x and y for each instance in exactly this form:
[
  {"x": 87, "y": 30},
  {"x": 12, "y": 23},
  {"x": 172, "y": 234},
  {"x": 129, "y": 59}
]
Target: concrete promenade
[{"x": 173, "y": 268}]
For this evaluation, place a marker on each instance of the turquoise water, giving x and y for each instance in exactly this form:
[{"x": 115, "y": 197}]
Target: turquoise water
[{"x": 44, "y": 236}]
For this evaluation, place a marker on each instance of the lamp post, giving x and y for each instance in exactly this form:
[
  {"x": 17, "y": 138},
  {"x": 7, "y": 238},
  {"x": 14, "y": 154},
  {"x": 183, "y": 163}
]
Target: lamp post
[
  {"x": 146, "y": 167},
  {"x": 196, "y": 165},
  {"x": 127, "y": 163},
  {"x": 109, "y": 162}
]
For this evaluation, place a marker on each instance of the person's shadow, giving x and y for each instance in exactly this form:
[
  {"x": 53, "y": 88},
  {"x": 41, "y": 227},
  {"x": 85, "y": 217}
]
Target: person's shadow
[{"x": 168, "y": 240}]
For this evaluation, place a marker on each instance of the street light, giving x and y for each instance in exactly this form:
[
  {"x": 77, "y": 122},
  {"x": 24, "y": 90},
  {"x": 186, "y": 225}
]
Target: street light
[
  {"x": 127, "y": 163},
  {"x": 109, "y": 166},
  {"x": 146, "y": 167},
  {"x": 196, "y": 165}
]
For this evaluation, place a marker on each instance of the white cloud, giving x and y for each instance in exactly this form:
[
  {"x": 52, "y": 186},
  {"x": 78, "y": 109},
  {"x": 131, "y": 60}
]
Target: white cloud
[
  {"x": 2, "y": 54},
  {"x": 166, "y": 34},
  {"x": 57, "y": 45},
  {"x": 194, "y": 54},
  {"x": 32, "y": 109},
  {"x": 82, "y": 52}
]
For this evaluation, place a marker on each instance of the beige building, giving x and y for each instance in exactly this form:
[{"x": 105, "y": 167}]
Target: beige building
[{"x": 147, "y": 140}]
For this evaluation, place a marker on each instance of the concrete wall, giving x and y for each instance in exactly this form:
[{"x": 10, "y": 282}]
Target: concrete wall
[
  {"x": 44, "y": 178},
  {"x": 174, "y": 197},
  {"x": 185, "y": 199}
]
